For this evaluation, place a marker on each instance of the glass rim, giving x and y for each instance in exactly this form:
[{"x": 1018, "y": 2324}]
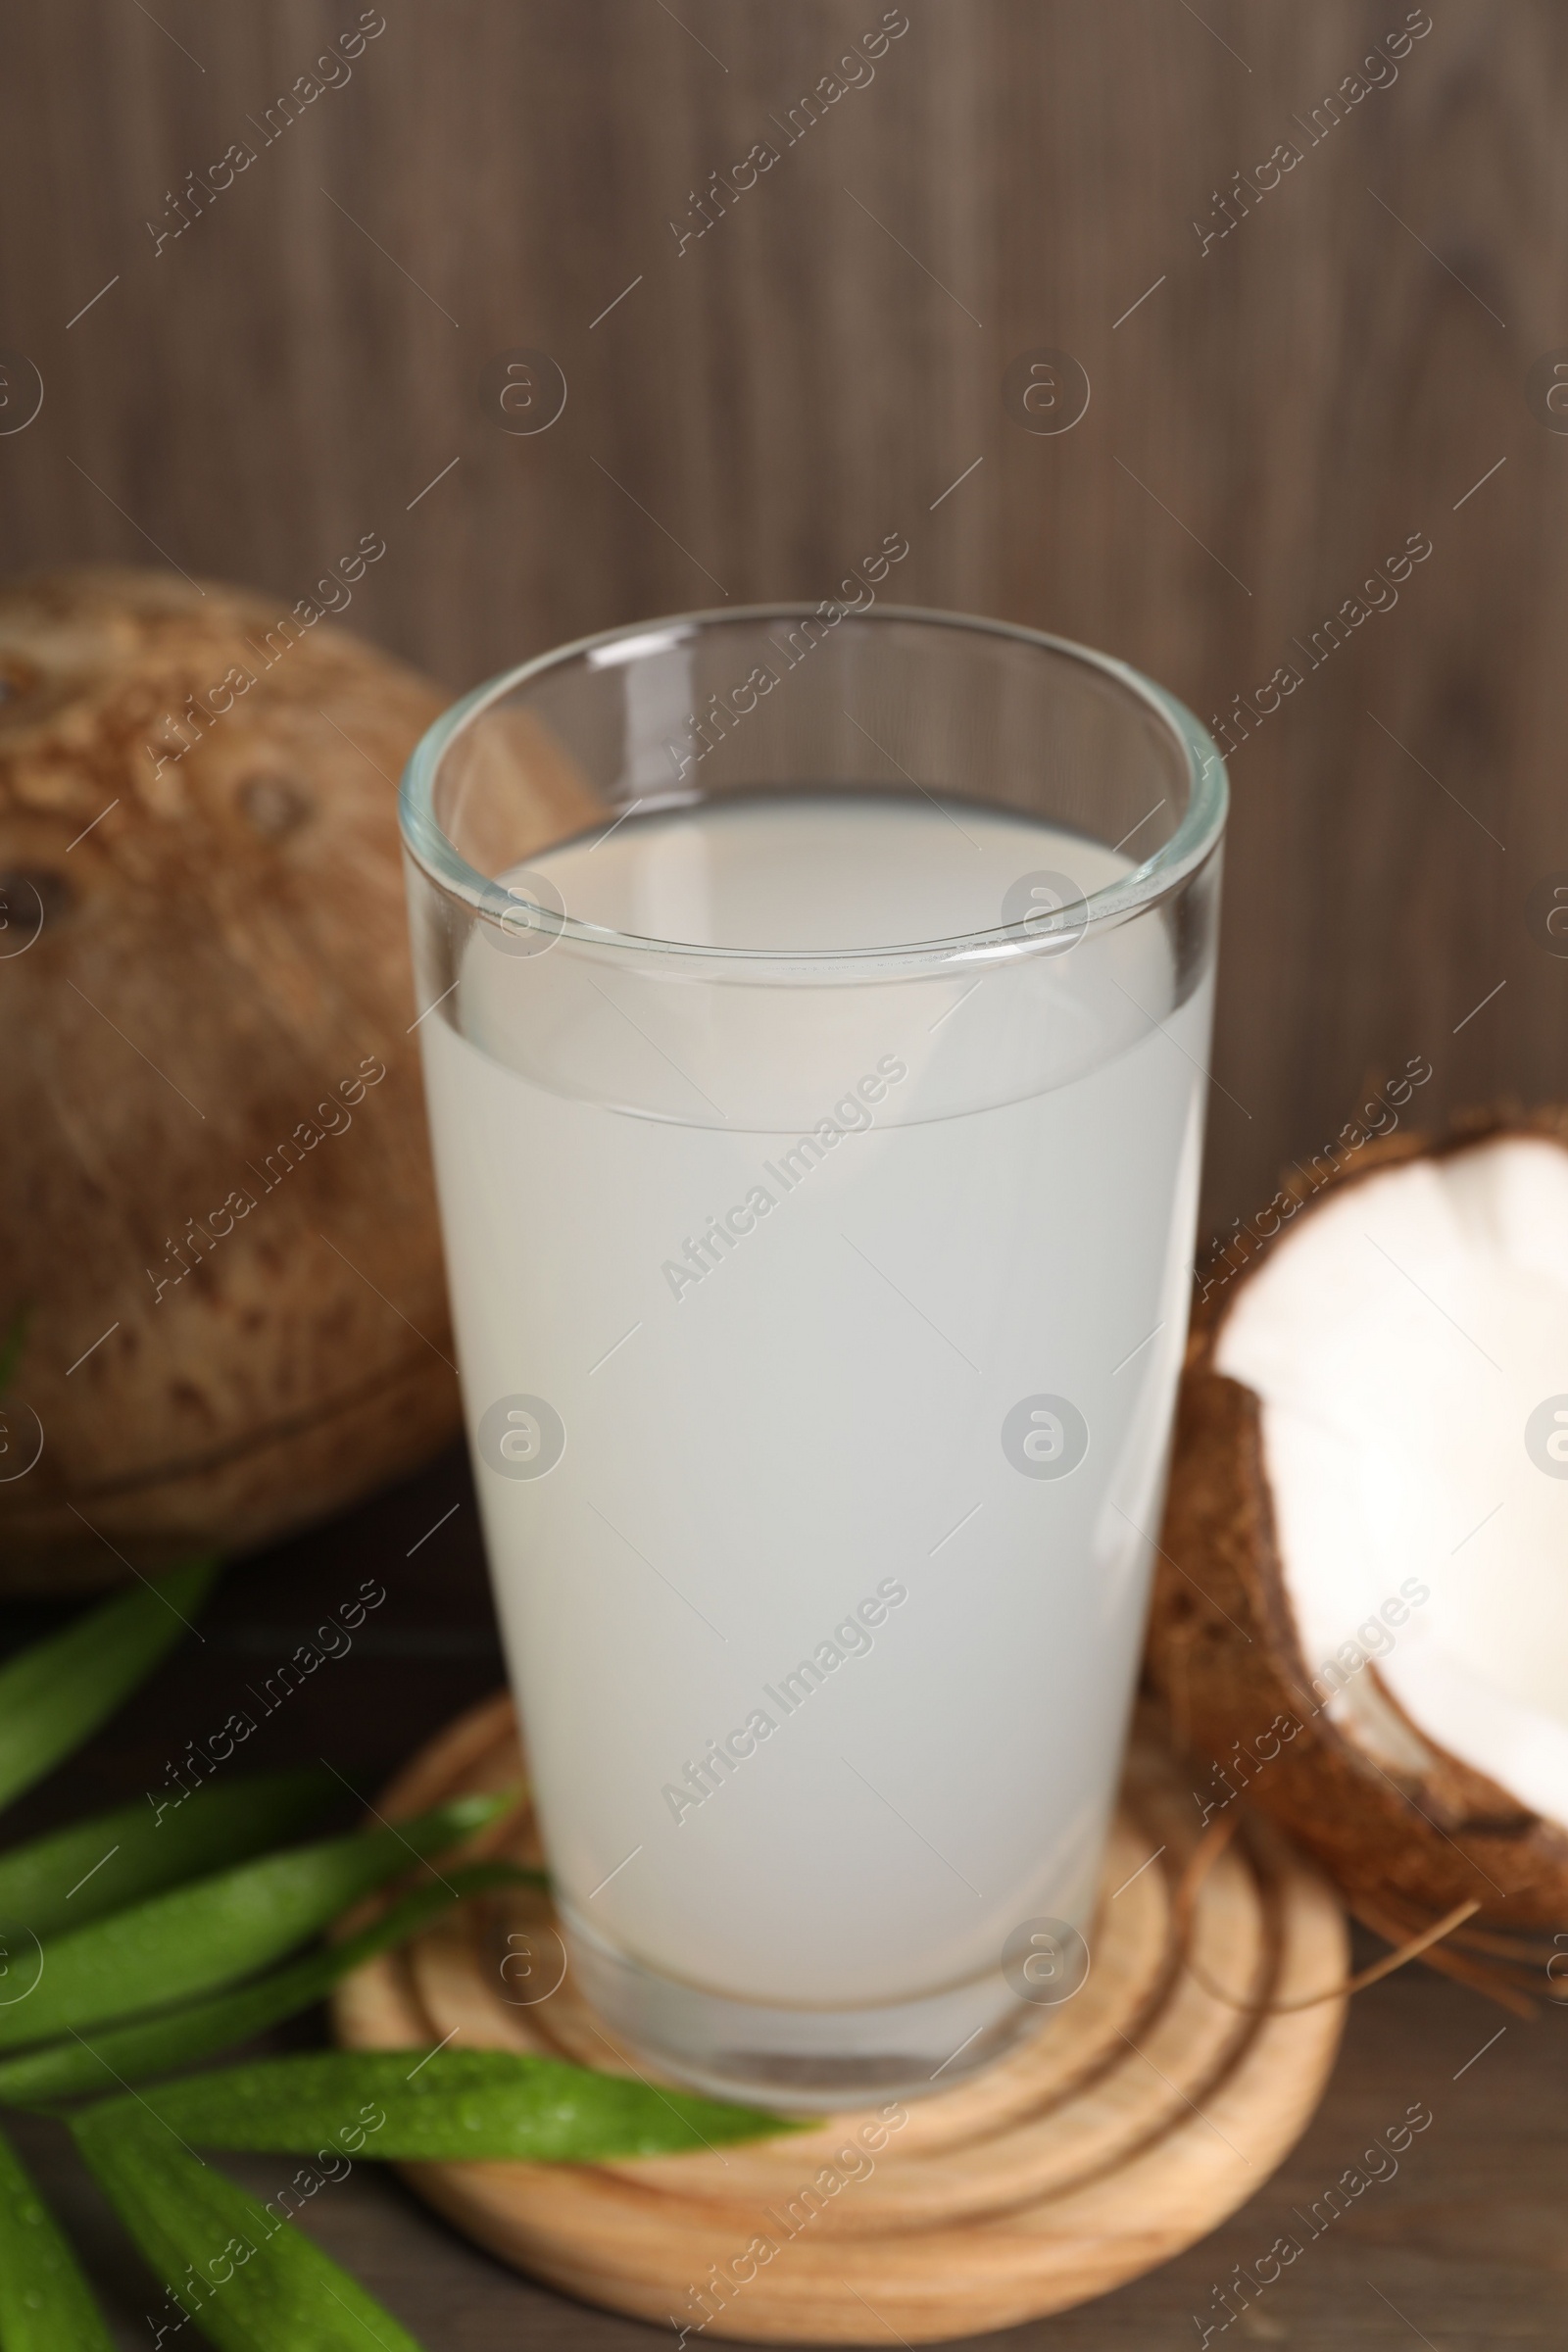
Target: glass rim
[{"x": 1145, "y": 886}]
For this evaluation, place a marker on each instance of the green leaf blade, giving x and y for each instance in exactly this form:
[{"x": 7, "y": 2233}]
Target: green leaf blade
[
  {"x": 163, "y": 2046},
  {"x": 77, "y": 1874},
  {"x": 251, "y": 2282},
  {"x": 416, "y": 2106},
  {"x": 45, "y": 2302},
  {"x": 195, "y": 1938},
  {"x": 58, "y": 1693}
]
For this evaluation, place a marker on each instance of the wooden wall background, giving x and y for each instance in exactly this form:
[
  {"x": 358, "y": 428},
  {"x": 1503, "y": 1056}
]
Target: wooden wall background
[{"x": 1278, "y": 413}]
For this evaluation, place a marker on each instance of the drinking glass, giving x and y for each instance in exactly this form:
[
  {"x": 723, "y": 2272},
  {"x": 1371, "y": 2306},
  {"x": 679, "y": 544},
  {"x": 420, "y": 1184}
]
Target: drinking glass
[{"x": 816, "y": 1004}]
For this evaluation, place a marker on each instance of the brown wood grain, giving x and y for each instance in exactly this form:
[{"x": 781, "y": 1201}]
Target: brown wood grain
[
  {"x": 1271, "y": 421},
  {"x": 1119, "y": 2133}
]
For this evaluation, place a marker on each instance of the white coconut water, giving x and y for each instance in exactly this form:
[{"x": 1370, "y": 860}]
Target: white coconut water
[{"x": 823, "y": 1693}]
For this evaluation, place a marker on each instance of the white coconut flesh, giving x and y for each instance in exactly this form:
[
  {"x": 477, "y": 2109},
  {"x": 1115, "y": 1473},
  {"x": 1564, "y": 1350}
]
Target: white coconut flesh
[{"x": 1399, "y": 1337}]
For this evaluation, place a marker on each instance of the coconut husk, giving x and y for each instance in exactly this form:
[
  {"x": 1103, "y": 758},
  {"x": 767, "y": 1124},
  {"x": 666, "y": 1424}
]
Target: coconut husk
[{"x": 205, "y": 961}]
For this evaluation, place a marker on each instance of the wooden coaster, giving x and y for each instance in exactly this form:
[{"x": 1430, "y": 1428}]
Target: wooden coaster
[{"x": 1141, "y": 2113}]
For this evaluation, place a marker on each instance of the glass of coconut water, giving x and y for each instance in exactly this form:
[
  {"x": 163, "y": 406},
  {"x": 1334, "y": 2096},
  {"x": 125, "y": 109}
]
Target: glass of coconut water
[{"x": 816, "y": 1014}]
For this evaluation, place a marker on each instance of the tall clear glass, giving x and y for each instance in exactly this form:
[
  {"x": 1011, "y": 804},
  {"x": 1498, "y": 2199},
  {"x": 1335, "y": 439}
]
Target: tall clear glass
[{"x": 816, "y": 1012}]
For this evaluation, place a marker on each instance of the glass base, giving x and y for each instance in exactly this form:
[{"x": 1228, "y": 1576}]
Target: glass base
[{"x": 797, "y": 2060}]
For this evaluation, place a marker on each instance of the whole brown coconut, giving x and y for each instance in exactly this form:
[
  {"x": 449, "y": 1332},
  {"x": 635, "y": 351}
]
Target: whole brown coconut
[
  {"x": 217, "y": 1232},
  {"x": 1322, "y": 1742}
]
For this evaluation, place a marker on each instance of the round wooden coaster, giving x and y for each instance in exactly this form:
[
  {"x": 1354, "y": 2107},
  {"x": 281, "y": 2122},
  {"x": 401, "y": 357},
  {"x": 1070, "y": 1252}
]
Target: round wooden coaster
[{"x": 1141, "y": 2114}]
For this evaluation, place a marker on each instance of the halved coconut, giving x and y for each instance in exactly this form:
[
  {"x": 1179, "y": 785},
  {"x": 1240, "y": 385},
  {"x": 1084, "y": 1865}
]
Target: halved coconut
[{"x": 1362, "y": 1611}]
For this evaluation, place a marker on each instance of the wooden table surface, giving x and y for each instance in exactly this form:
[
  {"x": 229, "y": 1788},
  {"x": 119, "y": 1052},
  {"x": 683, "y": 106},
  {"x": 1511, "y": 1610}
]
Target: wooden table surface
[{"x": 1464, "y": 2248}]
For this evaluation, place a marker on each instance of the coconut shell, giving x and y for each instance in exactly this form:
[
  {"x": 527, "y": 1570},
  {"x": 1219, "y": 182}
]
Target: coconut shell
[
  {"x": 216, "y": 1218},
  {"x": 1406, "y": 1839}
]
